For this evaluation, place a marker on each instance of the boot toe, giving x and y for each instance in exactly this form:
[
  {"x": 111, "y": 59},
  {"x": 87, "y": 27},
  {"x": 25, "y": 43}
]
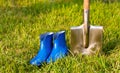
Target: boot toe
[{"x": 35, "y": 62}]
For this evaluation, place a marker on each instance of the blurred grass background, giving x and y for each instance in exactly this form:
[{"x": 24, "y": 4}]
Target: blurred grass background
[{"x": 22, "y": 21}]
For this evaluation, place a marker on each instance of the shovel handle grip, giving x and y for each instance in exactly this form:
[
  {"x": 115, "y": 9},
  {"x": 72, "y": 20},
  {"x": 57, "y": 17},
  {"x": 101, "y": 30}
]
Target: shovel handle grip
[
  {"x": 86, "y": 11},
  {"x": 86, "y": 4}
]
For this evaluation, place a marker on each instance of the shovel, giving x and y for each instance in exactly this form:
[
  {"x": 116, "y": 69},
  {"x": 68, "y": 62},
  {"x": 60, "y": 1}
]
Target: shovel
[{"x": 86, "y": 39}]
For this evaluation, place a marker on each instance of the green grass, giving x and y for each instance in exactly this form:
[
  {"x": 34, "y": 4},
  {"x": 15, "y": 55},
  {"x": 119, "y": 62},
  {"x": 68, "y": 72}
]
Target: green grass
[{"x": 22, "y": 21}]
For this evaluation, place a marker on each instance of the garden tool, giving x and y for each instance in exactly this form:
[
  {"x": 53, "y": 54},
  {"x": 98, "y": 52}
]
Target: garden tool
[
  {"x": 45, "y": 49},
  {"x": 60, "y": 49},
  {"x": 86, "y": 39}
]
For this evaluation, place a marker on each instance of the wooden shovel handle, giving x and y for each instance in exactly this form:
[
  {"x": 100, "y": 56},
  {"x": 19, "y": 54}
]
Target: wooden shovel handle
[
  {"x": 86, "y": 4},
  {"x": 86, "y": 24}
]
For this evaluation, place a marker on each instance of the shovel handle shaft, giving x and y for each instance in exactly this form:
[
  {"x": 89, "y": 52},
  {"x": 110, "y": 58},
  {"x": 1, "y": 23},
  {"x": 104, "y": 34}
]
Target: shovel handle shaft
[{"x": 86, "y": 24}]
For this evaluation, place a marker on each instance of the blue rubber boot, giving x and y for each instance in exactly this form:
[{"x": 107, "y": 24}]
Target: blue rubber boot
[
  {"x": 59, "y": 47},
  {"x": 46, "y": 45}
]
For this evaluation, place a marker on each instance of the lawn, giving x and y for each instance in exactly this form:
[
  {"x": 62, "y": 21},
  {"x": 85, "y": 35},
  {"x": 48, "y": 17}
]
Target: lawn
[{"x": 22, "y": 22}]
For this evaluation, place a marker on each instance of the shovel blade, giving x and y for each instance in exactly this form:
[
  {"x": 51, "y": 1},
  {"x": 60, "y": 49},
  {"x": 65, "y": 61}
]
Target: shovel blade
[{"x": 95, "y": 40}]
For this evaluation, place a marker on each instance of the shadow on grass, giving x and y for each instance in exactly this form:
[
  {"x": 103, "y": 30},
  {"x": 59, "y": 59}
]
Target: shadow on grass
[
  {"x": 110, "y": 45},
  {"x": 40, "y": 7},
  {"x": 12, "y": 16},
  {"x": 110, "y": 1}
]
